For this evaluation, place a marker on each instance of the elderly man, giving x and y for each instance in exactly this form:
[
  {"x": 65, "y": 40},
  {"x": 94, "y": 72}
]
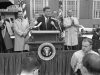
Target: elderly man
[
  {"x": 21, "y": 29},
  {"x": 71, "y": 25},
  {"x": 77, "y": 57}
]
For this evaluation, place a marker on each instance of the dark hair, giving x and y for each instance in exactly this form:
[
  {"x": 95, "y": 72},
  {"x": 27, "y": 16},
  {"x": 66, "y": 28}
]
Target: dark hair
[
  {"x": 98, "y": 29},
  {"x": 87, "y": 40},
  {"x": 92, "y": 63},
  {"x": 45, "y": 8},
  {"x": 31, "y": 62}
]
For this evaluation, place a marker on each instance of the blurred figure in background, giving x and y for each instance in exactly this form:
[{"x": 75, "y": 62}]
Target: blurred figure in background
[
  {"x": 30, "y": 66},
  {"x": 96, "y": 35},
  {"x": 90, "y": 64},
  {"x": 34, "y": 20},
  {"x": 2, "y": 44},
  {"x": 96, "y": 39},
  {"x": 59, "y": 20},
  {"x": 21, "y": 29},
  {"x": 7, "y": 32}
]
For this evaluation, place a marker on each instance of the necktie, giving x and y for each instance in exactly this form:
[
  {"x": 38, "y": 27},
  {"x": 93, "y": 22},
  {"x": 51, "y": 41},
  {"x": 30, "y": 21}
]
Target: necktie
[{"x": 47, "y": 22}]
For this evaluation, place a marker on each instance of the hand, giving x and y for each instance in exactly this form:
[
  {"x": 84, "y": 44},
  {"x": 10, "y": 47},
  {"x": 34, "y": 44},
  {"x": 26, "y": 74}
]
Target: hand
[
  {"x": 52, "y": 23},
  {"x": 24, "y": 34}
]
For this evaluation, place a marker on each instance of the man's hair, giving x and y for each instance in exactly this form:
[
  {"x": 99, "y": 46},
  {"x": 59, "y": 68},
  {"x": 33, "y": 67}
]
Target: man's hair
[
  {"x": 98, "y": 29},
  {"x": 92, "y": 63},
  {"x": 87, "y": 40},
  {"x": 45, "y": 8},
  {"x": 31, "y": 62}
]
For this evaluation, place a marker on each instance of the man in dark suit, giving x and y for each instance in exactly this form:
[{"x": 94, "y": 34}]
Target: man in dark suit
[
  {"x": 96, "y": 35},
  {"x": 96, "y": 39},
  {"x": 46, "y": 21},
  {"x": 2, "y": 44}
]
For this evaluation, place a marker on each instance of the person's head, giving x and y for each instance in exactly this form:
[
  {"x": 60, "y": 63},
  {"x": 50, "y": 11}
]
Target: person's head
[
  {"x": 36, "y": 15},
  {"x": 20, "y": 14},
  {"x": 91, "y": 64},
  {"x": 86, "y": 45},
  {"x": 98, "y": 30},
  {"x": 47, "y": 11},
  {"x": 30, "y": 64},
  {"x": 2, "y": 16},
  {"x": 70, "y": 13},
  {"x": 55, "y": 14}
]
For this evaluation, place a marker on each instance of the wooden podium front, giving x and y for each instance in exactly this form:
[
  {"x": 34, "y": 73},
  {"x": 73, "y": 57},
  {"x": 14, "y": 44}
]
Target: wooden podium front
[{"x": 39, "y": 37}]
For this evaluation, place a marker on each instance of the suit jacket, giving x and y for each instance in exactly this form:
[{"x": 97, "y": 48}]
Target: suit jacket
[
  {"x": 96, "y": 37},
  {"x": 2, "y": 44},
  {"x": 96, "y": 40},
  {"x": 47, "y": 26}
]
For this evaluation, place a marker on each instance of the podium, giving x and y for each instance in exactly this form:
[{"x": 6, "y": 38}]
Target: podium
[{"x": 39, "y": 37}]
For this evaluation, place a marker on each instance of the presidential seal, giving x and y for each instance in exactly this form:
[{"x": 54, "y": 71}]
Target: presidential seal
[{"x": 46, "y": 51}]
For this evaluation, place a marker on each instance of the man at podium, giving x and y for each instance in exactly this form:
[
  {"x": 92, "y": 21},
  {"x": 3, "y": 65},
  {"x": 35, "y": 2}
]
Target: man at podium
[{"x": 45, "y": 21}]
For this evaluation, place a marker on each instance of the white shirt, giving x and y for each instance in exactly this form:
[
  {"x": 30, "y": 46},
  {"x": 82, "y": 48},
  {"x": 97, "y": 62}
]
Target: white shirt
[{"x": 77, "y": 59}]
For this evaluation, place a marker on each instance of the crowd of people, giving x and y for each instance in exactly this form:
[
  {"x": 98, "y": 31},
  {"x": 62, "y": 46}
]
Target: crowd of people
[
  {"x": 68, "y": 27},
  {"x": 83, "y": 62},
  {"x": 47, "y": 21}
]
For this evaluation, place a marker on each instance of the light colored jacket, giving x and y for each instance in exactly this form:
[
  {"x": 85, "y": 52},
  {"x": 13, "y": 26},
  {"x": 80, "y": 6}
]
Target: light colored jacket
[
  {"x": 76, "y": 60},
  {"x": 19, "y": 28},
  {"x": 71, "y": 33}
]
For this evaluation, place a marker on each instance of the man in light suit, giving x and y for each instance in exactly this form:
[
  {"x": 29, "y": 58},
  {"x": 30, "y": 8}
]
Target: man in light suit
[
  {"x": 76, "y": 60},
  {"x": 47, "y": 22},
  {"x": 71, "y": 33},
  {"x": 21, "y": 29}
]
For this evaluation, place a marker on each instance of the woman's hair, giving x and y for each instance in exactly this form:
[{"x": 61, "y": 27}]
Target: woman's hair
[
  {"x": 92, "y": 63},
  {"x": 31, "y": 62}
]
